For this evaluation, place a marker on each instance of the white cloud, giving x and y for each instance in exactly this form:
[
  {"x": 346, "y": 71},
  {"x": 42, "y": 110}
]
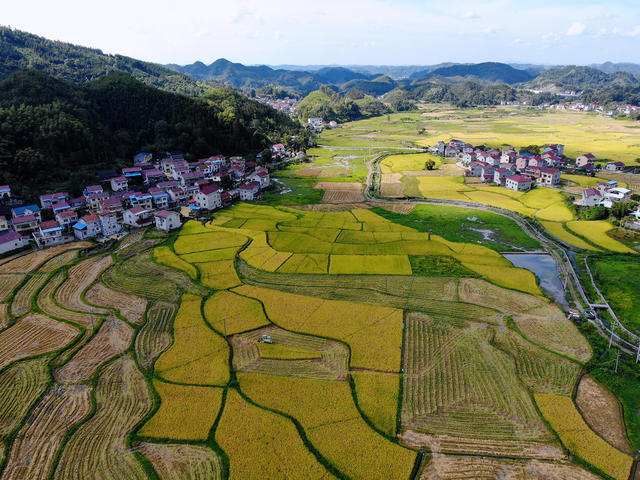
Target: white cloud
[
  {"x": 470, "y": 15},
  {"x": 488, "y": 30},
  {"x": 636, "y": 31},
  {"x": 576, "y": 28}
]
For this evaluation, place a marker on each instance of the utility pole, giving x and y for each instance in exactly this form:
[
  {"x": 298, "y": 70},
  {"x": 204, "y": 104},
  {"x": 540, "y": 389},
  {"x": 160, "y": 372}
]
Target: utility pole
[
  {"x": 611, "y": 337},
  {"x": 638, "y": 352},
  {"x": 617, "y": 359},
  {"x": 224, "y": 321}
]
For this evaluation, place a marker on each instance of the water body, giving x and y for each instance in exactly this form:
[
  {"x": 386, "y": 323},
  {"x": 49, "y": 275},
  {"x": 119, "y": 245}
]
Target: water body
[{"x": 545, "y": 268}]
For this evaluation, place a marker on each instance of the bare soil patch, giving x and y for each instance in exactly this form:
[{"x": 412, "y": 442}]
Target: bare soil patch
[
  {"x": 403, "y": 208},
  {"x": 391, "y": 185},
  {"x": 330, "y": 207}
]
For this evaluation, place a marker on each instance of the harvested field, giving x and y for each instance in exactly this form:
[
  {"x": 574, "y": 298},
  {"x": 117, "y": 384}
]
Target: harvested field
[
  {"x": 452, "y": 467},
  {"x": 21, "y": 302},
  {"x": 403, "y": 208},
  {"x": 34, "y": 448},
  {"x": 456, "y": 383},
  {"x": 198, "y": 355},
  {"x": 262, "y": 444},
  {"x": 113, "y": 337},
  {"x": 377, "y": 395},
  {"x": 140, "y": 276},
  {"x": 579, "y": 439},
  {"x": 474, "y": 446},
  {"x": 182, "y": 461},
  {"x": 29, "y": 262},
  {"x": 232, "y": 313},
  {"x": 132, "y": 308},
  {"x": 333, "y": 424},
  {"x": 341, "y": 192},
  {"x": 185, "y": 413},
  {"x": 155, "y": 336},
  {"x": 391, "y": 185},
  {"x": 4, "y": 316},
  {"x": 33, "y": 335},
  {"x": 165, "y": 256},
  {"x": 548, "y": 326},
  {"x": 9, "y": 281},
  {"x": 290, "y": 354},
  {"x": 79, "y": 277},
  {"x": 603, "y": 412},
  {"x": 50, "y": 307},
  {"x": 480, "y": 292},
  {"x": 374, "y": 333},
  {"x": 98, "y": 449},
  {"x": 20, "y": 387},
  {"x": 58, "y": 261}
]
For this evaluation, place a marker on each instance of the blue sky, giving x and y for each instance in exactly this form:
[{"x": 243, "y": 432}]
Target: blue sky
[{"x": 342, "y": 31}]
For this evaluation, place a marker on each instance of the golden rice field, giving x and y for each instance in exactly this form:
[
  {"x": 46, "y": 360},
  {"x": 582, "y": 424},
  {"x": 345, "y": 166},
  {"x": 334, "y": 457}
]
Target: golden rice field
[
  {"x": 579, "y": 439},
  {"x": 377, "y": 395},
  {"x": 165, "y": 256},
  {"x": 410, "y": 161},
  {"x": 596, "y": 232},
  {"x": 178, "y": 461},
  {"x": 558, "y": 230},
  {"x": 233, "y": 313}
]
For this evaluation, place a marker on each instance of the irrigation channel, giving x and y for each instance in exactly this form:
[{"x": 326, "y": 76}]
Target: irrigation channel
[{"x": 559, "y": 251}]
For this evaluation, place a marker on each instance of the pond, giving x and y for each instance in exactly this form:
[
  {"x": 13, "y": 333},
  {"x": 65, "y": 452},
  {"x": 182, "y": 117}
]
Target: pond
[{"x": 545, "y": 268}]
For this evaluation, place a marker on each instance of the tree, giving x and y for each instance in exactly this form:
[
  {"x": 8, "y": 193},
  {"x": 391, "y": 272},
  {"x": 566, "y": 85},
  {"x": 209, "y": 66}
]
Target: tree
[
  {"x": 532, "y": 149},
  {"x": 429, "y": 164},
  {"x": 619, "y": 209}
]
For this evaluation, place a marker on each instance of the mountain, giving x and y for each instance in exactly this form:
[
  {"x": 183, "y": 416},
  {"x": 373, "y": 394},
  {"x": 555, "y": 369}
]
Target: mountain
[
  {"x": 465, "y": 94},
  {"x": 488, "y": 72},
  {"x": 609, "y": 67},
  {"x": 581, "y": 78},
  {"x": 56, "y": 135},
  {"x": 376, "y": 87},
  {"x": 21, "y": 50},
  {"x": 342, "y": 107}
]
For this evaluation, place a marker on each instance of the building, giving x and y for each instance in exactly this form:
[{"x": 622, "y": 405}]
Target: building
[
  {"x": 120, "y": 184},
  {"x": 87, "y": 227},
  {"x": 49, "y": 233},
  {"x": 591, "y": 197},
  {"x": 584, "y": 160},
  {"x": 617, "y": 194},
  {"x": 95, "y": 199},
  {"x": 208, "y": 197},
  {"x": 92, "y": 189},
  {"x": 519, "y": 183},
  {"x": 316, "y": 124},
  {"x": 5, "y": 192},
  {"x": 278, "y": 150},
  {"x": 522, "y": 162},
  {"x": 109, "y": 224},
  {"x": 249, "y": 191},
  {"x": 614, "y": 167},
  {"x": 500, "y": 175},
  {"x": 167, "y": 221},
  {"x": 549, "y": 176},
  {"x": 50, "y": 198},
  {"x": 262, "y": 177},
  {"x": 4, "y": 224},
  {"x": 25, "y": 224},
  {"x": 132, "y": 172},
  {"x": 189, "y": 178},
  {"x": 26, "y": 210},
  {"x": 153, "y": 176},
  {"x": 438, "y": 148},
  {"x": 487, "y": 172},
  {"x": 160, "y": 198},
  {"x": 111, "y": 205},
  {"x": 475, "y": 169},
  {"x": 10, "y": 241},
  {"x": 137, "y": 217},
  {"x": 66, "y": 218},
  {"x": 537, "y": 162}
]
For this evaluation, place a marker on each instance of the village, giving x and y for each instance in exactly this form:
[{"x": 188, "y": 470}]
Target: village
[
  {"x": 522, "y": 171},
  {"x": 150, "y": 193}
]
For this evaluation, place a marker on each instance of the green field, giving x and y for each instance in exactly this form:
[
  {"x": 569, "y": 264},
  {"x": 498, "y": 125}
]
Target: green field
[{"x": 618, "y": 278}]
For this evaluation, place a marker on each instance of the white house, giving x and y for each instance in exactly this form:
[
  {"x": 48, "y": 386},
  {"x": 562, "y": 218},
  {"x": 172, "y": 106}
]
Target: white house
[
  {"x": 137, "y": 217},
  {"x": 475, "y": 169},
  {"x": 5, "y": 192},
  {"x": 591, "y": 197},
  {"x": 549, "y": 176},
  {"x": 4, "y": 224},
  {"x": 208, "y": 197},
  {"x": 518, "y": 183},
  {"x": 500, "y": 175},
  {"x": 10, "y": 241},
  {"x": 66, "y": 218},
  {"x": 49, "y": 233},
  {"x": 438, "y": 148},
  {"x": 278, "y": 150},
  {"x": 249, "y": 191},
  {"x": 614, "y": 167},
  {"x": 87, "y": 227},
  {"x": 262, "y": 177},
  {"x": 109, "y": 224},
  {"x": 167, "y": 221},
  {"x": 618, "y": 194},
  {"x": 586, "y": 159}
]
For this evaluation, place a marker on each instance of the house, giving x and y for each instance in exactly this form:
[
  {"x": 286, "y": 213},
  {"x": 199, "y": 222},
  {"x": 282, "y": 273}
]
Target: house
[
  {"x": 153, "y": 176},
  {"x": 549, "y": 176},
  {"x": 519, "y": 183},
  {"x": 500, "y": 175},
  {"x": 111, "y": 205},
  {"x": 227, "y": 199},
  {"x": 4, "y": 224},
  {"x": 508, "y": 157},
  {"x": 209, "y": 197},
  {"x": 617, "y": 194},
  {"x": 120, "y": 184},
  {"x": 537, "y": 162},
  {"x": 522, "y": 162},
  {"x": 551, "y": 159},
  {"x": 278, "y": 150},
  {"x": 132, "y": 172},
  {"x": 487, "y": 172},
  {"x": 92, "y": 189},
  {"x": 533, "y": 172},
  {"x": 584, "y": 160},
  {"x": 10, "y": 241},
  {"x": 137, "y": 217},
  {"x": 438, "y": 148},
  {"x": 87, "y": 227},
  {"x": 109, "y": 224},
  {"x": 475, "y": 169},
  {"x": 26, "y": 210},
  {"x": 557, "y": 149},
  {"x": 50, "y": 198},
  {"x": 262, "y": 177},
  {"x": 315, "y": 123},
  {"x": 469, "y": 157},
  {"x": 60, "y": 207},
  {"x": 25, "y": 224},
  {"x": 614, "y": 167},
  {"x": 49, "y": 233},
  {"x": 190, "y": 178},
  {"x": 249, "y": 191},
  {"x": 5, "y": 192},
  {"x": 144, "y": 200},
  {"x": 94, "y": 199},
  {"x": 159, "y": 197},
  {"x": 591, "y": 197},
  {"x": 66, "y": 218},
  {"x": 77, "y": 203},
  {"x": 167, "y": 221}
]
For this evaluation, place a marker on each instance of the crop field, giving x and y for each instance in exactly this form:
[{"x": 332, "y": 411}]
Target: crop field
[
  {"x": 410, "y": 162},
  {"x": 113, "y": 338},
  {"x": 207, "y": 241},
  {"x": 198, "y": 355},
  {"x": 579, "y": 439},
  {"x": 371, "y": 264},
  {"x": 182, "y": 461},
  {"x": 33, "y": 335},
  {"x": 35, "y": 446},
  {"x": 233, "y": 313},
  {"x": 98, "y": 448},
  {"x": 9, "y": 281},
  {"x": 69, "y": 294},
  {"x": 132, "y": 308},
  {"x": 4, "y": 316},
  {"x": 29, "y": 262},
  {"x": 337, "y": 192},
  {"x": 622, "y": 295},
  {"x": 559, "y": 231},
  {"x": 155, "y": 336},
  {"x": 596, "y": 233},
  {"x": 603, "y": 413},
  {"x": 58, "y": 261},
  {"x": 218, "y": 275},
  {"x": 290, "y": 354},
  {"x": 50, "y": 307},
  {"x": 21, "y": 303},
  {"x": 377, "y": 395},
  {"x": 185, "y": 413},
  {"x": 165, "y": 256}
]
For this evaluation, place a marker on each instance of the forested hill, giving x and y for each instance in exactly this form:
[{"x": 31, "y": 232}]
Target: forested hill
[
  {"x": 479, "y": 72},
  {"x": 79, "y": 65},
  {"x": 582, "y": 78},
  {"x": 56, "y": 135}
]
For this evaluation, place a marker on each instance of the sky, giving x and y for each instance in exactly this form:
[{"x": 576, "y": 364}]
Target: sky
[{"x": 357, "y": 32}]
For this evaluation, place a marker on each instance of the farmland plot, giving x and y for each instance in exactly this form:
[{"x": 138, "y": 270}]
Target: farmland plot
[
  {"x": 113, "y": 338},
  {"x": 21, "y": 303},
  {"x": 98, "y": 449},
  {"x": 58, "y": 261},
  {"x": 50, "y": 307},
  {"x": 33, "y": 335},
  {"x": 34, "y": 448},
  {"x": 9, "y": 281},
  {"x": 155, "y": 336},
  {"x": 165, "y": 256},
  {"x": 182, "y": 461},
  {"x": 377, "y": 395},
  {"x": 132, "y": 308},
  {"x": 29, "y": 262},
  {"x": 69, "y": 294},
  {"x": 4, "y": 316},
  {"x": 20, "y": 386},
  {"x": 231, "y": 313}
]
